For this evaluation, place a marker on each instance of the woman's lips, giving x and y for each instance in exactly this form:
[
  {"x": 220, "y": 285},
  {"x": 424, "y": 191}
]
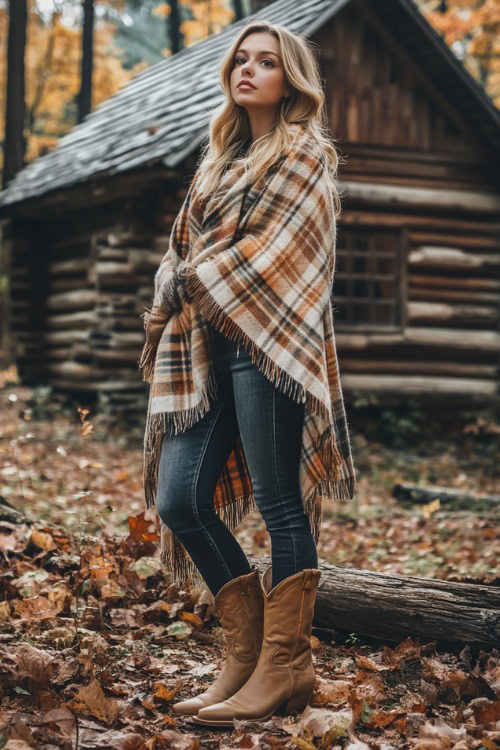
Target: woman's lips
[{"x": 246, "y": 86}]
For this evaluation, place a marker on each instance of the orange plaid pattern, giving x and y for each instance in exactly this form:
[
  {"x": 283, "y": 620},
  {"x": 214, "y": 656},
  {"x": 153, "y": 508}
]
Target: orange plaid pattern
[{"x": 259, "y": 263}]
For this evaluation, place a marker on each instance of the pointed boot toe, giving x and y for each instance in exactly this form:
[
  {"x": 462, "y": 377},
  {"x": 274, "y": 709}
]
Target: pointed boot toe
[
  {"x": 240, "y": 608},
  {"x": 218, "y": 715},
  {"x": 189, "y": 707}
]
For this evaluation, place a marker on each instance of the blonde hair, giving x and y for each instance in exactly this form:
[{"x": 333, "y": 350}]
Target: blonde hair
[{"x": 229, "y": 124}]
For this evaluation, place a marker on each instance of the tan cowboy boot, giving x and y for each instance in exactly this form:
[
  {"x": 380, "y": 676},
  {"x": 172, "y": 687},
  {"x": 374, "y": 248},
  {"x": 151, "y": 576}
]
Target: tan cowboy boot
[
  {"x": 239, "y": 605},
  {"x": 283, "y": 680}
]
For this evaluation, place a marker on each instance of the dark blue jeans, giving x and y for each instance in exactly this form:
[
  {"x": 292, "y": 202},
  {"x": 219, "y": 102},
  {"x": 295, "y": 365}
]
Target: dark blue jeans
[{"x": 270, "y": 424}]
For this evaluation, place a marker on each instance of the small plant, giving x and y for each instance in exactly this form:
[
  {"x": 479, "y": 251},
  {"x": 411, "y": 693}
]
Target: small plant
[
  {"x": 39, "y": 404},
  {"x": 361, "y": 399},
  {"x": 484, "y": 435},
  {"x": 86, "y": 427},
  {"x": 352, "y": 639},
  {"x": 401, "y": 427}
]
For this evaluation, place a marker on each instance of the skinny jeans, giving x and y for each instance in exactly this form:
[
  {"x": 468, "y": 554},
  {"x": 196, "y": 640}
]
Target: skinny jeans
[{"x": 270, "y": 425}]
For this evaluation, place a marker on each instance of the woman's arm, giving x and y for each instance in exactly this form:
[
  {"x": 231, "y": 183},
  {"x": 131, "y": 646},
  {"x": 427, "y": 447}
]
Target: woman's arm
[{"x": 166, "y": 299}]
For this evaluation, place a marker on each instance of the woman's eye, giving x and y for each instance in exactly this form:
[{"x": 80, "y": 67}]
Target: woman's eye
[{"x": 238, "y": 59}]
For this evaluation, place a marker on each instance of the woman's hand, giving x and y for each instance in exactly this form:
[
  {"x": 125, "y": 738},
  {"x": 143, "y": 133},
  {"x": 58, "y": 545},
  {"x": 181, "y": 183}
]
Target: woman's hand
[
  {"x": 175, "y": 293},
  {"x": 154, "y": 321}
]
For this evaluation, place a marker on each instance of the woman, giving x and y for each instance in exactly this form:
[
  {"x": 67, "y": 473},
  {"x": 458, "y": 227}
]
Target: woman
[{"x": 246, "y": 409}]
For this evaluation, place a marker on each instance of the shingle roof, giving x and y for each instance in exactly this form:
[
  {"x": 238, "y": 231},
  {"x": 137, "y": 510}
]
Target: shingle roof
[{"x": 162, "y": 114}]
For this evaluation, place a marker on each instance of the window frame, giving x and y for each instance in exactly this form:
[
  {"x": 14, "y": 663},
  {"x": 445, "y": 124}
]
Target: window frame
[{"x": 399, "y": 280}]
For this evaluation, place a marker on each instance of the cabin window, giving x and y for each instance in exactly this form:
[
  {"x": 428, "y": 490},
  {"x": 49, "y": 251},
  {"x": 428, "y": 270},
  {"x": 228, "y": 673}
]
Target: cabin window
[{"x": 368, "y": 287}]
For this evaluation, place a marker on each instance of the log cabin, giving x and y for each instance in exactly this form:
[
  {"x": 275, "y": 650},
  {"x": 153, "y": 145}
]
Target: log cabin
[{"x": 416, "y": 295}]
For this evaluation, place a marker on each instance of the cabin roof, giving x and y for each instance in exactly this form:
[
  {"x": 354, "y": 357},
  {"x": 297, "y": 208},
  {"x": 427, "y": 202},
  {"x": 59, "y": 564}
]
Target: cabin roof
[{"x": 162, "y": 115}]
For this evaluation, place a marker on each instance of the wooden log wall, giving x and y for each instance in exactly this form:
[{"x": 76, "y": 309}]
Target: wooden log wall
[
  {"x": 26, "y": 246},
  {"x": 98, "y": 279},
  {"x": 412, "y": 172},
  {"x": 449, "y": 346},
  {"x": 79, "y": 289},
  {"x": 416, "y": 296}
]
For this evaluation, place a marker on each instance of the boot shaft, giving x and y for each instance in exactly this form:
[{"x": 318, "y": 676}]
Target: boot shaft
[
  {"x": 239, "y": 606},
  {"x": 288, "y": 615}
]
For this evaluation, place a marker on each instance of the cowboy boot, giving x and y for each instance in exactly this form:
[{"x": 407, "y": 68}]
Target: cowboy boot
[
  {"x": 239, "y": 606},
  {"x": 283, "y": 680}
]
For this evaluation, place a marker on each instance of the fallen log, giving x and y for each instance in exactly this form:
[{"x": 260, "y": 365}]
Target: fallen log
[
  {"x": 9, "y": 514},
  {"x": 393, "y": 607},
  {"x": 412, "y": 493}
]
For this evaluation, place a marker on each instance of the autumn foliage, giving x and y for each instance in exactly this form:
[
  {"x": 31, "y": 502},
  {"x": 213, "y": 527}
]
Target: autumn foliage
[{"x": 472, "y": 29}]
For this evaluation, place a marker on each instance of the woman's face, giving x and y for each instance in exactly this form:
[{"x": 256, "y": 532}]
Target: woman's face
[{"x": 258, "y": 60}]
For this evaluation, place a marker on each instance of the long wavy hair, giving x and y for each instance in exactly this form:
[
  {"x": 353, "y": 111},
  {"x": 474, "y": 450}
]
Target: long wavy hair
[{"x": 229, "y": 128}]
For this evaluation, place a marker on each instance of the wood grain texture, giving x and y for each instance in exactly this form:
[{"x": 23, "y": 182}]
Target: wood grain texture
[{"x": 394, "y": 607}]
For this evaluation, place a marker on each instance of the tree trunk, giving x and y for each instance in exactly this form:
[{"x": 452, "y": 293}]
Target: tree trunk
[
  {"x": 14, "y": 144},
  {"x": 85, "y": 95},
  {"x": 174, "y": 27},
  {"x": 393, "y": 607},
  {"x": 238, "y": 10}
]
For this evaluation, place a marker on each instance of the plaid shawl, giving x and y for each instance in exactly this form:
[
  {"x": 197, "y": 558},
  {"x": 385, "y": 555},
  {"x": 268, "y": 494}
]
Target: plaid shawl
[{"x": 259, "y": 262}]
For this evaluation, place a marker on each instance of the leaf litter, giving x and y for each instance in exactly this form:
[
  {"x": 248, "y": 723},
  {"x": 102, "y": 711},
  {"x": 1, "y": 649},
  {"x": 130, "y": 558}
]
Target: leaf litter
[{"x": 96, "y": 643}]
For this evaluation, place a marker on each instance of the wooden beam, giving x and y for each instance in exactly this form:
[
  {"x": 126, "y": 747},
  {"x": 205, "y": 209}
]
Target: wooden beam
[
  {"x": 401, "y": 195},
  {"x": 451, "y": 338},
  {"x": 360, "y": 217},
  {"x": 440, "y": 312},
  {"x": 78, "y": 299},
  {"x": 421, "y": 384},
  {"x": 352, "y": 365},
  {"x": 465, "y": 282}
]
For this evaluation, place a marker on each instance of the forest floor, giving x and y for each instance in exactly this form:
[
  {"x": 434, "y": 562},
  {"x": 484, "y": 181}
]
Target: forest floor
[{"x": 96, "y": 643}]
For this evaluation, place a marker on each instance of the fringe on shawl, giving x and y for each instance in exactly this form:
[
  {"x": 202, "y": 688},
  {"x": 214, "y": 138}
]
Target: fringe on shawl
[
  {"x": 183, "y": 571},
  {"x": 154, "y": 323},
  {"x": 147, "y": 360},
  {"x": 341, "y": 486},
  {"x": 169, "y": 423},
  {"x": 280, "y": 379}
]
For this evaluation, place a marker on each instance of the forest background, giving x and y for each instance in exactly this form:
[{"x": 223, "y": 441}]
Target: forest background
[
  {"x": 96, "y": 643},
  {"x": 131, "y": 35}
]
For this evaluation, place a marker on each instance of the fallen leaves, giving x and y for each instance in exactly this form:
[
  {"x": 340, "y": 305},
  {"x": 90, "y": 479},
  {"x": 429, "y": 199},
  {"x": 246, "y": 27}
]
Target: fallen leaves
[
  {"x": 325, "y": 725},
  {"x": 91, "y": 699},
  {"x": 96, "y": 642}
]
